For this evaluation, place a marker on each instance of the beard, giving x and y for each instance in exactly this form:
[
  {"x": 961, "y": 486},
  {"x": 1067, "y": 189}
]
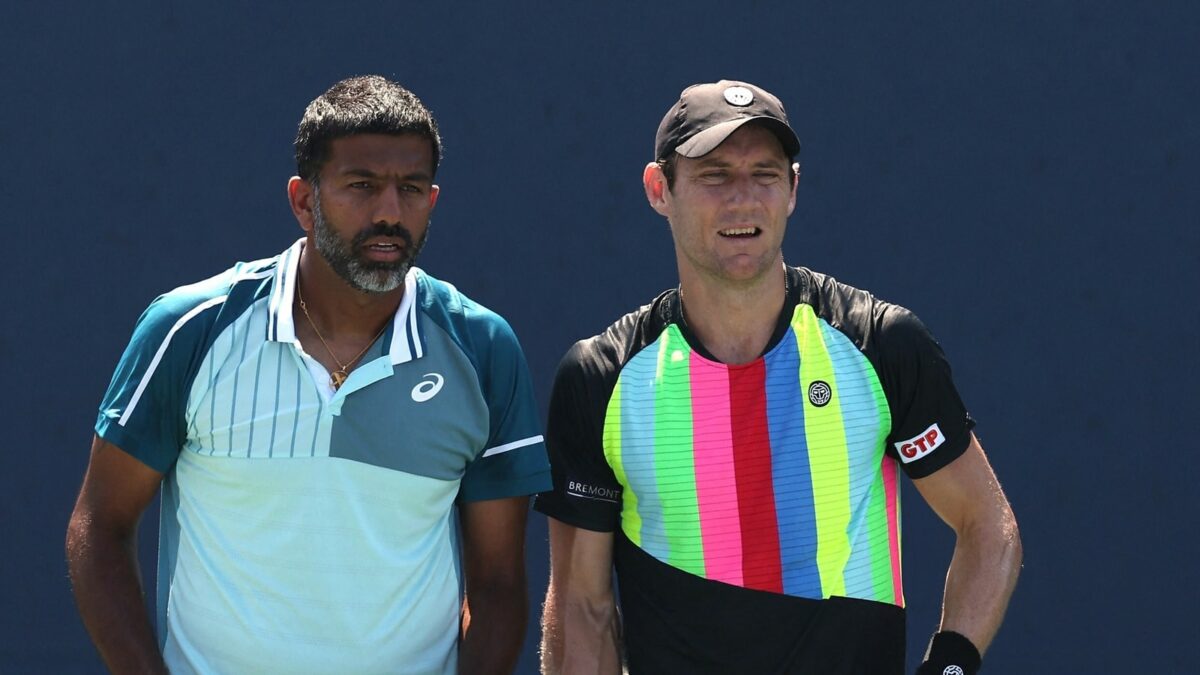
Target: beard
[{"x": 368, "y": 276}]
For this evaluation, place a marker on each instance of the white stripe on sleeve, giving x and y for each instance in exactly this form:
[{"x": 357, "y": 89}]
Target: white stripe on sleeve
[
  {"x": 512, "y": 446},
  {"x": 137, "y": 394}
]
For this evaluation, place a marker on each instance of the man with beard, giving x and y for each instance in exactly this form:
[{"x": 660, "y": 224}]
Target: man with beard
[{"x": 327, "y": 425}]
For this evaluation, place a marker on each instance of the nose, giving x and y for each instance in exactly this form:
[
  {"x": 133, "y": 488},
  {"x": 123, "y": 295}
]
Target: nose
[
  {"x": 389, "y": 206},
  {"x": 741, "y": 189}
]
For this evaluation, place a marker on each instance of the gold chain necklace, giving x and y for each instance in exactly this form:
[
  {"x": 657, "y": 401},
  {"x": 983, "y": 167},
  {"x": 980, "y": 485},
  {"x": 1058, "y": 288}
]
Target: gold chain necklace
[{"x": 337, "y": 377}]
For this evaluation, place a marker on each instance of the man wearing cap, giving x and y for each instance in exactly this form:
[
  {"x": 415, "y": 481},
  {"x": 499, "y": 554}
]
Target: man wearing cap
[
  {"x": 345, "y": 444},
  {"x": 734, "y": 447}
]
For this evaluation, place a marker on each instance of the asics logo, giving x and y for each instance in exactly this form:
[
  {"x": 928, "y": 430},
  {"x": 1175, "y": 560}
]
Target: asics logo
[{"x": 427, "y": 388}]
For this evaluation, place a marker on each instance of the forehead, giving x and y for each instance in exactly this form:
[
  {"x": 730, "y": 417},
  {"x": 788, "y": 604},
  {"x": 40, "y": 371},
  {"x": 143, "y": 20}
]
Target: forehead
[
  {"x": 379, "y": 152},
  {"x": 750, "y": 142}
]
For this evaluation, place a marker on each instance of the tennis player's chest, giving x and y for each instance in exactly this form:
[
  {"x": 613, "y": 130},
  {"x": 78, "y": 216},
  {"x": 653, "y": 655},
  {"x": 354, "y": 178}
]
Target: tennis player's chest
[{"x": 425, "y": 417}]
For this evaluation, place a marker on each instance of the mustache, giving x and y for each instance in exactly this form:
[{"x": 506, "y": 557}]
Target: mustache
[{"x": 383, "y": 230}]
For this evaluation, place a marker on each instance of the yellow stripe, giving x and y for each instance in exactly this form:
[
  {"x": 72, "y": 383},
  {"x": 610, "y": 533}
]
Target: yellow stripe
[{"x": 827, "y": 455}]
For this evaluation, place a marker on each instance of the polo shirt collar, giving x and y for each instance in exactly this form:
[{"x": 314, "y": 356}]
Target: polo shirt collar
[{"x": 405, "y": 343}]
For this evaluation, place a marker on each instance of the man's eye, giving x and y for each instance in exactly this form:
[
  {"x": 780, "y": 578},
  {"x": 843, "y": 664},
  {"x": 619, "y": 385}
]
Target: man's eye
[{"x": 361, "y": 185}]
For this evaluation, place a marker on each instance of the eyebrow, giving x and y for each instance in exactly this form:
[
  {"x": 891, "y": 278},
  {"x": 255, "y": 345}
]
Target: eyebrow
[
  {"x": 367, "y": 173},
  {"x": 712, "y": 162}
]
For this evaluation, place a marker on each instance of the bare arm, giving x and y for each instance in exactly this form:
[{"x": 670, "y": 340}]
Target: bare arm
[
  {"x": 102, "y": 559},
  {"x": 580, "y": 627},
  {"x": 496, "y": 606},
  {"x": 987, "y": 553}
]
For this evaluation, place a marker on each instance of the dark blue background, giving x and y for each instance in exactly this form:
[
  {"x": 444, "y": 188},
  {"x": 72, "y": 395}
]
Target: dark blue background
[{"x": 1023, "y": 175}]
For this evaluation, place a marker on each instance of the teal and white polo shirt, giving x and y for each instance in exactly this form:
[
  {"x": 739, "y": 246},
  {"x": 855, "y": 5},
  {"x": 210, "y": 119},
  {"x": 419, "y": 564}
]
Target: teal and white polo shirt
[{"x": 311, "y": 531}]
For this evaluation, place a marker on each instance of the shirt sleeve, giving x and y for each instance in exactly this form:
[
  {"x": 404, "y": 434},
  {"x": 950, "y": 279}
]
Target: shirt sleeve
[
  {"x": 930, "y": 424},
  {"x": 143, "y": 410},
  {"x": 514, "y": 461},
  {"x": 586, "y": 492}
]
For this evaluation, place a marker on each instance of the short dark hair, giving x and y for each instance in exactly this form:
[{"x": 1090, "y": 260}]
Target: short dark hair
[{"x": 370, "y": 104}]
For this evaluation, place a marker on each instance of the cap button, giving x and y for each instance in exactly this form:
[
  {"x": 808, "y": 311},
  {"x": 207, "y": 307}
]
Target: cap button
[{"x": 739, "y": 96}]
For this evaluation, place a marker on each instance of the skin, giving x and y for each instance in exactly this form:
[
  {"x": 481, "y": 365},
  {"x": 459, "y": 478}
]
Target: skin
[
  {"x": 580, "y": 610},
  {"x": 102, "y": 559},
  {"x": 987, "y": 551},
  {"x": 368, "y": 179},
  {"x": 496, "y": 605},
  {"x": 733, "y": 290},
  {"x": 732, "y": 286}
]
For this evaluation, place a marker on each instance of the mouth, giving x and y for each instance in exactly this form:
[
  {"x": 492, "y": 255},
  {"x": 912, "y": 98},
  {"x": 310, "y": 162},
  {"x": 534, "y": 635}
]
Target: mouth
[
  {"x": 383, "y": 250},
  {"x": 740, "y": 232}
]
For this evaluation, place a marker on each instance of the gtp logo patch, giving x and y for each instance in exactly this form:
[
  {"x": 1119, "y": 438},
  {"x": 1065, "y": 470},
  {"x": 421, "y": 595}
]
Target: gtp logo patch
[{"x": 918, "y": 446}]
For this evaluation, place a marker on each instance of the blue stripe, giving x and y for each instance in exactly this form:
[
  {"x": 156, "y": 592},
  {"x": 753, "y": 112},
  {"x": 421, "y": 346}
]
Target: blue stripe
[
  {"x": 860, "y": 415},
  {"x": 637, "y": 447},
  {"x": 312, "y": 452},
  {"x": 254, "y": 401},
  {"x": 278, "y": 382},
  {"x": 273, "y": 328},
  {"x": 409, "y": 331},
  {"x": 790, "y": 471},
  {"x": 237, "y": 372},
  {"x": 212, "y": 399},
  {"x": 296, "y": 415}
]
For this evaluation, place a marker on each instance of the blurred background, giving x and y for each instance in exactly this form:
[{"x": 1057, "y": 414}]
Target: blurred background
[{"x": 1022, "y": 175}]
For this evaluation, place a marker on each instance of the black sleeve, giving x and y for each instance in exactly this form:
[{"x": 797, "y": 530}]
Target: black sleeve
[
  {"x": 586, "y": 492},
  {"x": 930, "y": 424}
]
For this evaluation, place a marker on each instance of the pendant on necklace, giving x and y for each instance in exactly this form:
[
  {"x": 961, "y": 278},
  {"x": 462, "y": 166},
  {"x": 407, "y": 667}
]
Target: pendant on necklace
[{"x": 336, "y": 378}]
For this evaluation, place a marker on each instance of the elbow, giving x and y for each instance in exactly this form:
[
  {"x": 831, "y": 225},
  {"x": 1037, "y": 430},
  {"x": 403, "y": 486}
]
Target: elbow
[
  {"x": 586, "y": 612},
  {"x": 505, "y": 598},
  {"x": 78, "y": 528},
  {"x": 595, "y": 612},
  {"x": 1014, "y": 547},
  {"x": 1000, "y": 543}
]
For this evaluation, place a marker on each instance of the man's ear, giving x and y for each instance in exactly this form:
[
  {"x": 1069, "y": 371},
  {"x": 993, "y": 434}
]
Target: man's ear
[
  {"x": 654, "y": 181},
  {"x": 300, "y": 198}
]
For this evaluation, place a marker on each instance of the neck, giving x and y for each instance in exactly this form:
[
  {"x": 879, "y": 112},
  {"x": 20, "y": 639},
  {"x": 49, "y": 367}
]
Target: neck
[
  {"x": 734, "y": 323},
  {"x": 340, "y": 310}
]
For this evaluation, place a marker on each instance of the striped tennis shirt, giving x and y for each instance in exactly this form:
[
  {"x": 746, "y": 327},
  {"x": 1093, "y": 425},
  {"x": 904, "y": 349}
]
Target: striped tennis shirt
[
  {"x": 305, "y": 530},
  {"x": 756, "y": 506}
]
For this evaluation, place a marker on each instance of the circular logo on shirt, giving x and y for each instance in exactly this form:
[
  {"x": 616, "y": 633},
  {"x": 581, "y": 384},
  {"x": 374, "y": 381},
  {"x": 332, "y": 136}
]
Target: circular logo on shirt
[
  {"x": 952, "y": 670},
  {"x": 819, "y": 393},
  {"x": 427, "y": 388},
  {"x": 739, "y": 96}
]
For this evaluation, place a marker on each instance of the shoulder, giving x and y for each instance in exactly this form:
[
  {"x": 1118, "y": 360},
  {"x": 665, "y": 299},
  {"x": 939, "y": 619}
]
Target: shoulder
[
  {"x": 477, "y": 330},
  {"x": 605, "y": 353},
  {"x": 199, "y": 304},
  {"x": 869, "y": 321},
  {"x": 442, "y": 297}
]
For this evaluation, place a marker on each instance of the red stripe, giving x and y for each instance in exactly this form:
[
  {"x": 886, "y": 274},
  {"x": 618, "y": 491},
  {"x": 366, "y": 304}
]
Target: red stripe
[
  {"x": 893, "y": 517},
  {"x": 761, "y": 567}
]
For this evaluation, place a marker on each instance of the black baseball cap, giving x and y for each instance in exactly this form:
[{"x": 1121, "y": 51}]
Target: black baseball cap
[{"x": 706, "y": 114}]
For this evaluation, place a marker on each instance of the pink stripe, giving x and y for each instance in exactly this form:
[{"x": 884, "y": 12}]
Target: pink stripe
[
  {"x": 891, "y": 497},
  {"x": 716, "y": 482}
]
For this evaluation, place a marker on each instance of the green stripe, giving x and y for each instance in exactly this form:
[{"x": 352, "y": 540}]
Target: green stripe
[
  {"x": 674, "y": 464},
  {"x": 827, "y": 456},
  {"x": 631, "y": 520},
  {"x": 881, "y": 555}
]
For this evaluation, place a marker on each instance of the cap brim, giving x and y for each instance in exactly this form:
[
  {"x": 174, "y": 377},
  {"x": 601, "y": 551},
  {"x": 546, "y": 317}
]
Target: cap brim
[{"x": 706, "y": 141}]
